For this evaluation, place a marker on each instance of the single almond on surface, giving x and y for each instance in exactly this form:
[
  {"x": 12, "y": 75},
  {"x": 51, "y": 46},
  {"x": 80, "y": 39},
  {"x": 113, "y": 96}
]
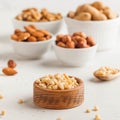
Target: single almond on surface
[
  {"x": 20, "y": 101},
  {"x": 9, "y": 71},
  {"x": 88, "y": 111},
  {"x": 96, "y": 108}
]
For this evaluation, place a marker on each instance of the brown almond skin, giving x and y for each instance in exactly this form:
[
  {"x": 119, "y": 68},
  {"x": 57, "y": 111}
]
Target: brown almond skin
[
  {"x": 23, "y": 36},
  {"x": 32, "y": 39},
  {"x": 9, "y": 71},
  {"x": 66, "y": 38},
  {"x": 29, "y": 29},
  {"x": 82, "y": 44},
  {"x": 70, "y": 44},
  {"x": 17, "y": 31},
  {"x": 71, "y": 14},
  {"x": 11, "y": 64},
  {"x": 81, "y": 34},
  {"x": 14, "y": 37},
  {"x": 90, "y": 41}
]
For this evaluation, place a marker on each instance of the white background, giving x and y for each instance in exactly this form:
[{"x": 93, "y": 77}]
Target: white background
[
  {"x": 104, "y": 94},
  {"x": 56, "y": 5},
  {"x": 9, "y": 8}
]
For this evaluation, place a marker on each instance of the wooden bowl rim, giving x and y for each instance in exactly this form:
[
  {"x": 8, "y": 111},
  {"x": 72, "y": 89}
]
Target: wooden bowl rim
[{"x": 80, "y": 82}]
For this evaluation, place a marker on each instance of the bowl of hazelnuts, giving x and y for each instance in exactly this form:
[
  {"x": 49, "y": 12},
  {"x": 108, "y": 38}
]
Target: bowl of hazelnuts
[
  {"x": 75, "y": 50},
  {"x": 98, "y": 20},
  {"x": 43, "y": 19}
]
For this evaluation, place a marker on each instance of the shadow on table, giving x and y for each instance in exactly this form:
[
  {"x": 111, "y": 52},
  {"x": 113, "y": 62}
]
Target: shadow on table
[
  {"x": 5, "y": 39},
  {"x": 95, "y": 80},
  {"x": 12, "y": 55},
  {"x": 54, "y": 63},
  {"x": 7, "y": 55},
  {"x": 30, "y": 104},
  {"x": 2, "y": 75}
]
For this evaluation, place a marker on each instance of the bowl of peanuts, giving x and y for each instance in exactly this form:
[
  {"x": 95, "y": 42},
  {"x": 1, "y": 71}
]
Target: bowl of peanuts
[
  {"x": 58, "y": 91},
  {"x": 43, "y": 19},
  {"x": 32, "y": 42},
  {"x": 76, "y": 50},
  {"x": 98, "y": 20}
]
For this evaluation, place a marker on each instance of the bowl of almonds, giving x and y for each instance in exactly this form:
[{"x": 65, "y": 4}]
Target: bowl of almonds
[
  {"x": 58, "y": 91},
  {"x": 43, "y": 19},
  {"x": 32, "y": 42},
  {"x": 75, "y": 50},
  {"x": 98, "y": 20}
]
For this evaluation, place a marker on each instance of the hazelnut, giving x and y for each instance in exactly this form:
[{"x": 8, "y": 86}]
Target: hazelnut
[{"x": 11, "y": 64}]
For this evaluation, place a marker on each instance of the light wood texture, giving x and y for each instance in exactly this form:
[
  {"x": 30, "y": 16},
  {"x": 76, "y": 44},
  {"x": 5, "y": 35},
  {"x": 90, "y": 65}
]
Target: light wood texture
[
  {"x": 107, "y": 77},
  {"x": 59, "y": 99}
]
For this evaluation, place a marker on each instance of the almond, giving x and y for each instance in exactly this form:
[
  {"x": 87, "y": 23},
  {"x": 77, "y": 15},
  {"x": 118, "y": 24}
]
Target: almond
[
  {"x": 9, "y": 71},
  {"x": 14, "y": 37},
  {"x": 32, "y": 39}
]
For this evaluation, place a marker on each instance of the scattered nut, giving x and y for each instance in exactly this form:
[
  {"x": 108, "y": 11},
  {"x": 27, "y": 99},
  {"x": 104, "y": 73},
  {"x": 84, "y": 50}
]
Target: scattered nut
[
  {"x": 97, "y": 117},
  {"x": 59, "y": 119},
  {"x": 88, "y": 111},
  {"x": 3, "y": 112},
  {"x": 96, "y": 108},
  {"x": 20, "y": 101},
  {"x": 9, "y": 71},
  {"x": 77, "y": 40},
  {"x": 11, "y": 64},
  {"x": 1, "y": 96},
  {"x": 34, "y": 15},
  {"x": 32, "y": 34}
]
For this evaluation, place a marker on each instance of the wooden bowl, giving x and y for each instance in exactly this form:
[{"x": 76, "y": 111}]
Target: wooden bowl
[{"x": 59, "y": 99}]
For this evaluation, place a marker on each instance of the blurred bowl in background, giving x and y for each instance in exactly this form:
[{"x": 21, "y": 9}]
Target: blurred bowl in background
[
  {"x": 76, "y": 57},
  {"x": 32, "y": 50},
  {"x": 53, "y": 26},
  {"x": 105, "y": 33}
]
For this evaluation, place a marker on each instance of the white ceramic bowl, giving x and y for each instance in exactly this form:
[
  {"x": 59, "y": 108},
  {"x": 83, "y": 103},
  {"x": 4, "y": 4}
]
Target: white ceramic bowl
[
  {"x": 54, "y": 26},
  {"x": 31, "y": 50},
  {"x": 105, "y": 33},
  {"x": 77, "y": 57}
]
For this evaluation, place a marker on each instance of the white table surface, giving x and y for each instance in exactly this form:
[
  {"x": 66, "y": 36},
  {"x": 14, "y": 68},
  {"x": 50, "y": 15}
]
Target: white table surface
[{"x": 104, "y": 94}]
